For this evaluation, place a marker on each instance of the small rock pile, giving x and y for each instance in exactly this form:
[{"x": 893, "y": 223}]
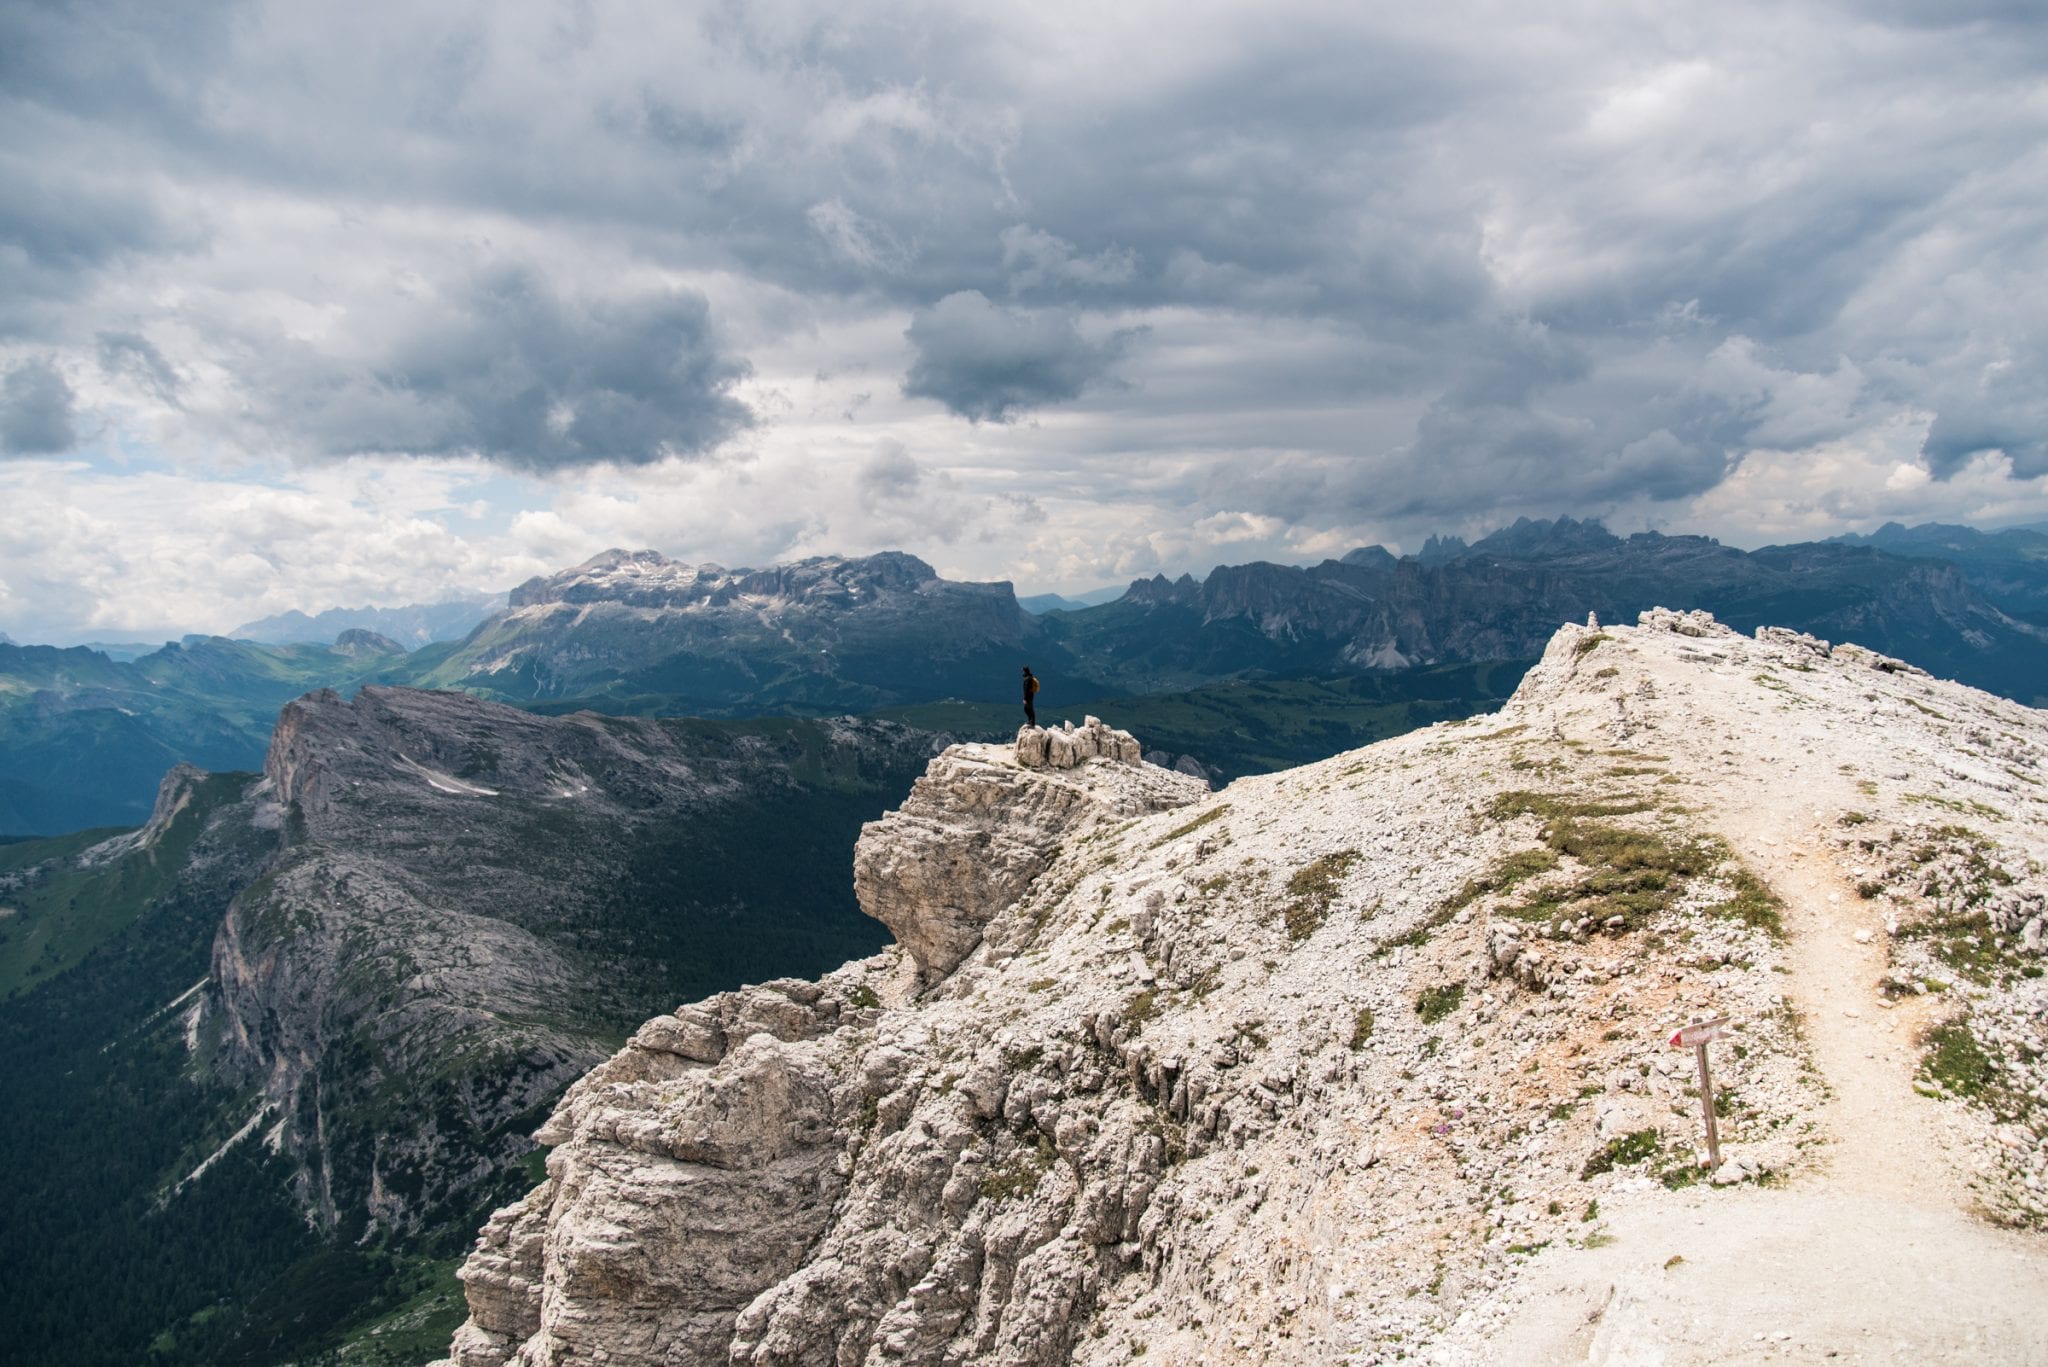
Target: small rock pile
[{"x": 1063, "y": 747}]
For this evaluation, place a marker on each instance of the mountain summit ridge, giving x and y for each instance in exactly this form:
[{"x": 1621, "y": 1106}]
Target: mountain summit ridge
[
  {"x": 825, "y": 634},
  {"x": 1347, "y": 1060}
]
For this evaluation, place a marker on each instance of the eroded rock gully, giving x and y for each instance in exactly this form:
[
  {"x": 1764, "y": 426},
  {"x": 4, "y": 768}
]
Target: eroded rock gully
[{"x": 1321, "y": 1067}]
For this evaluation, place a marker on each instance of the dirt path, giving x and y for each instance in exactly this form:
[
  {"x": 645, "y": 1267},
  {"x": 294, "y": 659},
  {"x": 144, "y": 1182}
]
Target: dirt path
[
  {"x": 1871, "y": 1255},
  {"x": 1884, "y": 1139}
]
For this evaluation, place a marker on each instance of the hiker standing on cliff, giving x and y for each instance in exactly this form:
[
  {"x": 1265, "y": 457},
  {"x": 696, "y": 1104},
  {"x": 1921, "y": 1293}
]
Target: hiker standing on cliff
[{"x": 1030, "y": 692}]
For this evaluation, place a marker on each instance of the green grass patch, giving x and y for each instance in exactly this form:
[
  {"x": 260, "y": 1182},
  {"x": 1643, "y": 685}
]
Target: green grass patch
[
  {"x": 1435, "y": 1003},
  {"x": 1956, "y": 1062},
  {"x": 1557, "y": 807},
  {"x": 1632, "y": 874},
  {"x": 1588, "y": 644},
  {"x": 1312, "y": 889},
  {"x": 1972, "y": 807},
  {"x": 1216, "y": 813},
  {"x": 1361, "y": 1028},
  {"x": 1518, "y": 867},
  {"x": 1637, "y": 1146},
  {"x": 1753, "y": 904}
]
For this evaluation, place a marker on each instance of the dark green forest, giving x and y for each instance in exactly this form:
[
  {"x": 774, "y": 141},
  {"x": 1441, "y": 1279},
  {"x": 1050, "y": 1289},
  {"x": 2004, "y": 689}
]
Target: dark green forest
[
  {"x": 99, "y": 1118},
  {"x": 107, "y": 1259}
]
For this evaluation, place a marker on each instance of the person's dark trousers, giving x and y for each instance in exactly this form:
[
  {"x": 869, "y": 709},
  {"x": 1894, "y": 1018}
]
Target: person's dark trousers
[{"x": 1030, "y": 713}]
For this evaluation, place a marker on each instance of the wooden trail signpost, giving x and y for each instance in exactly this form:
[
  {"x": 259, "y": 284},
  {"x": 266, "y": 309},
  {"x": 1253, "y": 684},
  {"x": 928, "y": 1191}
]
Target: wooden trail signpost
[{"x": 1698, "y": 1035}]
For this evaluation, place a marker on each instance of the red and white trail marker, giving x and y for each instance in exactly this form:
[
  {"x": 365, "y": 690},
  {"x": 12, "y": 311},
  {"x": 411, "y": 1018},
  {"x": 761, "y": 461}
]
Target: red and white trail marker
[
  {"x": 1685, "y": 1037},
  {"x": 1697, "y": 1035}
]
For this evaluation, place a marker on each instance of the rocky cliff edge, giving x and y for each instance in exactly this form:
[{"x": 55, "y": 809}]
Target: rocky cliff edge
[{"x": 1340, "y": 1062}]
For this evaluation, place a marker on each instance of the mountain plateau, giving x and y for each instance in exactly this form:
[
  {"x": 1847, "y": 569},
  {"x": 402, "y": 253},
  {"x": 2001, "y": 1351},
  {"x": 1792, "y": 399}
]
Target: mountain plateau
[{"x": 828, "y": 634}]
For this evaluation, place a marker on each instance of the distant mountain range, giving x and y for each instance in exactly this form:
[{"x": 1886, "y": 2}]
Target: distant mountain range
[
  {"x": 638, "y": 632},
  {"x": 1058, "y": 602},
  {"x": 82, "y": 736},
  {"x": 412, "y": 626},
  {"x": 343, "y": 989},
  {"x": 84, "y": 739},
  {"x": 2010, "y": 567},
  {"x": 1501, "y": 597}
]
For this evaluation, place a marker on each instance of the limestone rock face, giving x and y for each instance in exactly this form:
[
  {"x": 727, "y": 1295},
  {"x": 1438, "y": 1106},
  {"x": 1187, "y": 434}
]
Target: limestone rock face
[
  {"x": 982, "y": 824},
  {"x": 701, "y": 1162},
  {"x": 460, "y": 879},
  {"x": 1305, "y": 1070}
]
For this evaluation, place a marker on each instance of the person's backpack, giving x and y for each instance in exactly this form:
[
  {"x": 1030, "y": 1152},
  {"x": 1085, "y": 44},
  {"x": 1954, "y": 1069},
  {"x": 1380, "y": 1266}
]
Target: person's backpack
[{"x": 1031, "y": 689}]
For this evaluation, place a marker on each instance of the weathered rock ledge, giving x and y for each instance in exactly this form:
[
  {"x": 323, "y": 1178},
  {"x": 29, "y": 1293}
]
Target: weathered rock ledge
[{"x": 982, "y": 824}]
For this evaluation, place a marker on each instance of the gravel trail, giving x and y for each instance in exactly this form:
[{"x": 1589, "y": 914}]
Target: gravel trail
[{"x": 1875, "y": 1253}]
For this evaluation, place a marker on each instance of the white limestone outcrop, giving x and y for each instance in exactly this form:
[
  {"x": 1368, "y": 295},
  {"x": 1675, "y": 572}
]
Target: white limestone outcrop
[
  {"x": 1307, "y": 1069},
  {"x": 1063, "y": 747},
  {"x": 982, "y": 824}
]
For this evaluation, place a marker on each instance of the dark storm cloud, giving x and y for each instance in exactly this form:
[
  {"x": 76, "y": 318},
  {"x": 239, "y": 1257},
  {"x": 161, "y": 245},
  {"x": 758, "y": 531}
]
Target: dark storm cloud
[
  {"x": 36, "y": 411},
  {"x": 60, "y": 227},
  {"x": 131, "y": 358},
  {"x": 505, "y": 367},
  {"x": 2011, "y": 418},
  {"x": 990, "y": 364}
]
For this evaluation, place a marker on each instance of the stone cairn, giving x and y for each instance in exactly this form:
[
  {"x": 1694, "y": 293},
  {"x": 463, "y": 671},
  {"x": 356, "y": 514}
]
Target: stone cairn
[{"x": 1063, "y": 747}]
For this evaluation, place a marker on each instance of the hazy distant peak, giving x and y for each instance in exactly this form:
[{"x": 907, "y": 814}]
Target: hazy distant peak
[
  {"x": 1438, "y": 549},
  {"x": 411, "y": 626},
  {"x": 650, "y": 579},
  {"x": 1160, "y": 589},
  {"x": 357, "y": 642},
  {"x": 1931, "y": 536},
  {"x": 617, "y": 558},
  {"x": 1372, "y": 557},
  {"x": 1529, "y": 538}
]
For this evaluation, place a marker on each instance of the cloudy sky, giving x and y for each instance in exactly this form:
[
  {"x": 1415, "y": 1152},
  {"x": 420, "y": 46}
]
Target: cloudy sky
[{"x": 308, "y": 305}]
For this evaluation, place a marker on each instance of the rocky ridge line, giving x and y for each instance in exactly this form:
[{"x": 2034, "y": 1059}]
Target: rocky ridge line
[
  {"x": 460, "y": 879},
  {"x": 1315, "y": 1067}
]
